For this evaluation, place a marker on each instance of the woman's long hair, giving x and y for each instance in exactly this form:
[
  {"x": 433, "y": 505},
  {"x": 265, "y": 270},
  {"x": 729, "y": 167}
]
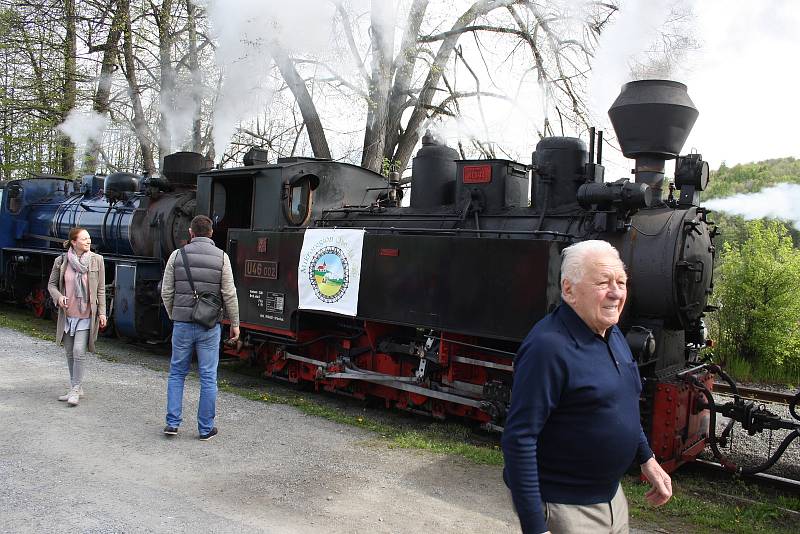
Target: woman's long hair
[{"x": 73, "y": 235}]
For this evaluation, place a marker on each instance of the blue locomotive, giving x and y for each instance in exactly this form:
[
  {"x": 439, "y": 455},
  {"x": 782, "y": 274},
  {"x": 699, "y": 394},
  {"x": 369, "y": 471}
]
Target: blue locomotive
[{"x": 134, "y": 221}]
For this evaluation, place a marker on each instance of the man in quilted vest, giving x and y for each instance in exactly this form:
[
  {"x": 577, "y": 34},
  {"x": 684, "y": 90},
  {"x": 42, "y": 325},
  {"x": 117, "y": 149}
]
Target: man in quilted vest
[{"x": 210, "y": 273}]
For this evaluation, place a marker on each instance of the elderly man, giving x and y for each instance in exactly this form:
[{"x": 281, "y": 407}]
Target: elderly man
[{"x": 573, "y": 428}]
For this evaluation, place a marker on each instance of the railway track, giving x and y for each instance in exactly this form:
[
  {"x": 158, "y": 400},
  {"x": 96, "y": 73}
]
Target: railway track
[
  {"x": 764, "y": 395},
  {"x": 764, "y": 478}
]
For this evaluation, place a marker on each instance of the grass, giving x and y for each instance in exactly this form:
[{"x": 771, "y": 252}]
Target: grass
[
  {"x": 741, "y": 369},
  {"x": 444, "y": 438},
  {"x": 701, "y": 504},
  {"x": 704, "y": 503},
  {"x": 21, "y": 321}
]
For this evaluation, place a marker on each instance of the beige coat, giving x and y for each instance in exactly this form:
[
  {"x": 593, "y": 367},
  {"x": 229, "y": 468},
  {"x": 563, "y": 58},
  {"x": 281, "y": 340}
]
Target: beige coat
[{"x": 97, "y": 293}]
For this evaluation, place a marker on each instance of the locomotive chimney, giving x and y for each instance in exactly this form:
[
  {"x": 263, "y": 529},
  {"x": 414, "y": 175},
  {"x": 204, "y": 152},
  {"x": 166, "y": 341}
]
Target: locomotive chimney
[
  {"x": 652, "y": 119},
  {"x": 182, "y": 168}
]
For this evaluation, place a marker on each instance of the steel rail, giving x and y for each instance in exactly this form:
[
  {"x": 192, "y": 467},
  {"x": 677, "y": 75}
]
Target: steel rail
[
  {"x": 755, "y": 393},
  {"x": 766, "y": 477}
]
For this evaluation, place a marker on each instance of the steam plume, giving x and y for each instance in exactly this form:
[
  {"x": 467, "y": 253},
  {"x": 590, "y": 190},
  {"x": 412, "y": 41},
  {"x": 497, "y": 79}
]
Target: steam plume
[
  {"x": 245, "y": 31},
  {"x": 84, "y": 126},
  {"x": 781, "y": 201}
]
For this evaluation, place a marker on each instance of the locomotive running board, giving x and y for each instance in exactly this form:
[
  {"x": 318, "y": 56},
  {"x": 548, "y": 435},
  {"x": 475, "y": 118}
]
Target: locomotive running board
[
  {"x": 393, "y": 382},
  {"x": 482, "y": 363},
  {"x": 386, "y": 380}
]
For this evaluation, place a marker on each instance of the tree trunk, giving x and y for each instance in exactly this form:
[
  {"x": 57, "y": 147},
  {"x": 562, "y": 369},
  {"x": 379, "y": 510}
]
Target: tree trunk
[
  {"x": 409, "y": 139},
  {"x": 194, "y": 67},
  {"x": 382, "y": 34},
  {"x": 103, "y": 92},
  {"x": 139, "y": 123},
  {"x": 316, "y": 135},
  {"x": 167, "y": 89},
  {"x": 403, "y": 71},
  {"x": 66, "y": 146}
]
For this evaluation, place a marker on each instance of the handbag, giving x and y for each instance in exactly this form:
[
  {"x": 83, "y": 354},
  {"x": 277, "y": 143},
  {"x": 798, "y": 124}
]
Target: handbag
[{"x": 207, "y": 309}]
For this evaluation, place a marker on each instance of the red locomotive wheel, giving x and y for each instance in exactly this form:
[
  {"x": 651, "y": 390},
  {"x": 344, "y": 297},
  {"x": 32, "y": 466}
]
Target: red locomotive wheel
[{"x": 37, "y": 300}]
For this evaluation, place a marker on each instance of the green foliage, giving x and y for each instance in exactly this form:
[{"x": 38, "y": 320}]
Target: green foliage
[
  {"x": 748, "y": 178},
  {"x": 752, "y": 177},
  {"x": 758, "y": 291},
  {"x": 389, "y": 165}
]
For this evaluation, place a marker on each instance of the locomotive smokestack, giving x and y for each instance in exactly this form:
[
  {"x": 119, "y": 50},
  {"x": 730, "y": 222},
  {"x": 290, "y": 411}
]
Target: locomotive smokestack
[{"x": 652, "y": 119}]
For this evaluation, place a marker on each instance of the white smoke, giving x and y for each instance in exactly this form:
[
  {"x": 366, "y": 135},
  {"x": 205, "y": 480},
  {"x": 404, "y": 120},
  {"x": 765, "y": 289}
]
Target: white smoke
[
  {"x": 622, "y": 45},
  {"x": 245, "y": 31},
  {"x": 625, "y": 52},
  {"x": 84, "y": 126},
  {"x": 781, "y": 201},
  {"x": 180, "y": 110}
]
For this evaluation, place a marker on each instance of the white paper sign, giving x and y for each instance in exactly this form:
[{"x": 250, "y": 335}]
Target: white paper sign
[{"x": 329, "y": 271}]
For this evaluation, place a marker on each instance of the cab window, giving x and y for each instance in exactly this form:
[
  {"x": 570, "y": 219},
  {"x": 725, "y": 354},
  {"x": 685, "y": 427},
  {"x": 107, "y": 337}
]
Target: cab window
[{"x": 297, "y": 204}]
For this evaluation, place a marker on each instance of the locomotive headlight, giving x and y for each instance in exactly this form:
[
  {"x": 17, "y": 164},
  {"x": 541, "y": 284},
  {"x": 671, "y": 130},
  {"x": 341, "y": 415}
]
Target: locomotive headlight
[
  {"x": 641, "y": 342},
  {"x": 691, "y": 170}
]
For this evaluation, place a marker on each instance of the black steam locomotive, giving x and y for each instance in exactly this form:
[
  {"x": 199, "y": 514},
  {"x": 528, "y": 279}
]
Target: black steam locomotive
[
  {"x": 343, "y": 286},
  {"x": 424, "y": 305}
]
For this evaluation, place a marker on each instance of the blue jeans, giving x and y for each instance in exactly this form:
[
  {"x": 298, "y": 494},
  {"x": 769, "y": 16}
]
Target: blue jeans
[{"x": 186, "y": 338}]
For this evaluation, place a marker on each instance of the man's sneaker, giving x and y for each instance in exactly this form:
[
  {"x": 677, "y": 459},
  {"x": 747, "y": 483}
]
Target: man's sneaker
[
  {"x": 170, "y": 430},
  {"x": 73, "y": 397},
  {"x": 65, "y": 396},
  {"x": 211, "y": 434}
]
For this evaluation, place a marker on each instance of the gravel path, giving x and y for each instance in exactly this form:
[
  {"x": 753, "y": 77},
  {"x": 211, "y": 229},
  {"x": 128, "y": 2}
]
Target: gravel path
[{"x": 105, "y": 466}]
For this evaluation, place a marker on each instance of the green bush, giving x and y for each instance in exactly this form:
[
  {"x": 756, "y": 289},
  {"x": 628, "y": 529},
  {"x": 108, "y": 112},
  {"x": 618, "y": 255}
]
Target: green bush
[{"x": 758, "y": 291}]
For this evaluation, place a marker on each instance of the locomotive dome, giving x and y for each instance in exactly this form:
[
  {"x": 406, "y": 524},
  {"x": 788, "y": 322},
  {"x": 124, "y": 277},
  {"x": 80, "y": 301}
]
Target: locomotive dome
[{"x": 119, "y": 184}]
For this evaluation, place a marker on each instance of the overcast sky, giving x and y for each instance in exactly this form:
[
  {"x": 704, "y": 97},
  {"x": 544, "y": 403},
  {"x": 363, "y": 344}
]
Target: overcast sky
[
  {"x": 743, "y": 77},
  {"x": 746, "y": 80}
]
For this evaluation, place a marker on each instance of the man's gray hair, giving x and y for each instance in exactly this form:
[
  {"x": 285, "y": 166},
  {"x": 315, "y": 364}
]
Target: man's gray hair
[{"x": 573, "y": 258}]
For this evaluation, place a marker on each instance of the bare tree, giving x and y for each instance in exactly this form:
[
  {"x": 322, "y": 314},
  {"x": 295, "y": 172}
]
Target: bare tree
[
  {"x": 316, "y": 134},
  {"x": 109, "y": 64},
  {"x": 194, "y": 71},
  {"x": 148, "y": 66},
  {"x": 163, "y": 17},
  {"x": 66, "y": 146},
  {"x": 398, "y": 106},
  {"x": 138, "y": 120}
]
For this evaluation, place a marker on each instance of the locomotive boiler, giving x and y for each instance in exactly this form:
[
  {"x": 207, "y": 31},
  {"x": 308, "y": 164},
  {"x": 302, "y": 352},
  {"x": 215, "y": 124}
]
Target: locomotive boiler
[
  {"x": 424, "y": 305},
  {"x": 134, "y": 221}
]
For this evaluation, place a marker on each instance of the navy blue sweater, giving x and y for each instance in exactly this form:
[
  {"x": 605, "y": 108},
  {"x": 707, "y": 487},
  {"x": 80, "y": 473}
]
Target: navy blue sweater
[{"x": 573, "y": 427}]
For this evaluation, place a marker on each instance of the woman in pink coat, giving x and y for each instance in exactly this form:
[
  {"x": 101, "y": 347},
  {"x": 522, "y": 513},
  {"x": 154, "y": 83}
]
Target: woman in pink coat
[{"x": 78, "y": 287}]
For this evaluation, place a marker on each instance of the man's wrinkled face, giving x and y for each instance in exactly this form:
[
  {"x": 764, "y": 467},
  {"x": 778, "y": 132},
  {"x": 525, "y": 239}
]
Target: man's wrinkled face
[{"x": 599, "y": 296}]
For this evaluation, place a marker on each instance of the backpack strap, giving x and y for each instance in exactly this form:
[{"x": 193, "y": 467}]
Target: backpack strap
[{"x": 188, "y": 272}]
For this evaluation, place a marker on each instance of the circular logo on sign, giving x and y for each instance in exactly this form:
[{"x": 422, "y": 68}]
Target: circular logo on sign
[{"x": 329, "y": 274}]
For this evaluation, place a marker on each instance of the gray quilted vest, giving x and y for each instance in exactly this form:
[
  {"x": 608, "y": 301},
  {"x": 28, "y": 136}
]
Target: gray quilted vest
[{"x": 205, "y": 260}]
